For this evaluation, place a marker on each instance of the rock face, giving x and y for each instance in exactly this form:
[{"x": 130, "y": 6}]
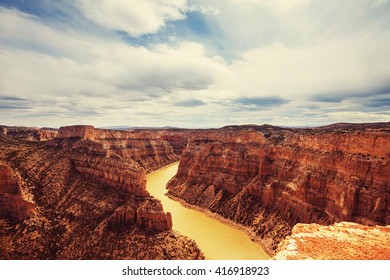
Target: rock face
[
  {"x": 177, "y": 138},
  {"x": 28, "y": 133},
  {"x": 147, "y": 148},
  {"x": 12, "y": 201},
  {"x": 151, "y": 215},
  {"x": 77, "y": 131},
  {"x": 89, "y": 188},
  {"x": 269, "y": 178},
  {"x": 341, "y": 241}
]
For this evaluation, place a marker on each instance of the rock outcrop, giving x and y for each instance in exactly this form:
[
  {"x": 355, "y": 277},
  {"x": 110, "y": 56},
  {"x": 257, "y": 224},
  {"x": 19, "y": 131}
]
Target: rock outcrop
[
  {"x": 77, "y": 131},
  {"x": 341, "y": 241},
  {"x": 151, "y": 215},
  {"x": 12, "y": 202},
  {"x": 269, "y": 178}
]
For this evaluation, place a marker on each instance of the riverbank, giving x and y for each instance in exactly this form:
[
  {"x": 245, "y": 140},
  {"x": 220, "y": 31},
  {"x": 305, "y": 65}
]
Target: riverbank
[{"x": 255, "y": 238}]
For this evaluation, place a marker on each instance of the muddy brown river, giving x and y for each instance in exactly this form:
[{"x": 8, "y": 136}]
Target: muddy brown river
[{"x": 217, "y": 240}]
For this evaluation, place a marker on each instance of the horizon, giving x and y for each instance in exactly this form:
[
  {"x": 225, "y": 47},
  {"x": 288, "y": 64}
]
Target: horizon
[
  {"x": 194, "y": 64},
  {"x": 124, "y": 127}
]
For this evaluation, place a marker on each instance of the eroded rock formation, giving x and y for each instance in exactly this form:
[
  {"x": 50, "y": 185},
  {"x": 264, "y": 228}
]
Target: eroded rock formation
[
  {"x": 12, "y": 202},
  {"x": 151, "y": 215},
  {"x": 269, "y": 178},
  {"x": 341, "y": 241}
]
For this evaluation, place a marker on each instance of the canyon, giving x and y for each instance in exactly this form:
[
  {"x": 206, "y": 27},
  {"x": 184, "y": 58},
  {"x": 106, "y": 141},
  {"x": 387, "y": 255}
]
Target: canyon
[
  {"x": 80, "y": 192},
  {"x": 268, "y": 178},
  {"x": 88, "y": 197}
]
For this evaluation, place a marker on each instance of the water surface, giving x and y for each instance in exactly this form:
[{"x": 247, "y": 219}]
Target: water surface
[{"x": 217, "y": 240}]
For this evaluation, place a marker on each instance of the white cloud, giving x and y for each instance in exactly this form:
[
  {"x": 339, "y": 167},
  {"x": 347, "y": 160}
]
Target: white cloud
[
  {"x": 342, "y": 66},
  {"x": 378, "y": 3},
  {"x": 278, "y": 5},
  {"x": 74, "y": 72},
  {"x": 133, "y": 16},
  {"x": 284, "y": 57}
]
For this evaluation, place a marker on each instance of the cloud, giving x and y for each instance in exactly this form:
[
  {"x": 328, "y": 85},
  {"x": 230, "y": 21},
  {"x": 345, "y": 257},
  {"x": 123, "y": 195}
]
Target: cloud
[
  {"x": 254, "y": 103},
  {"x": 11, "y": 98},
  {"x": 379, "y": 102},
  {"x": 278, "y": 5},
  {"x": 14, "y": 103},
  {"x": 190, "y": 103},
  {"x": 68, "y": 64},
  {"x": 194, "y": 63},
  {"x": 133, "y": 16},
  {"x": 328, "y": 99},
  {"x": 73, "y": 75},
  {"x": 349, "y": 65},
  {"x": 378, "y": 3}
]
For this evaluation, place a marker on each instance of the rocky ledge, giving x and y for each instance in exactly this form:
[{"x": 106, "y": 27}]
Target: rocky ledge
[{"x": 340, "y": 241}]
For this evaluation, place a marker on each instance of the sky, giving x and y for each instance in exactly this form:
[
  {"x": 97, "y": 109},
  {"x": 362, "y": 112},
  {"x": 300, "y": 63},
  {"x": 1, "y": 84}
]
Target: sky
[{"x": 195, "y": 63}]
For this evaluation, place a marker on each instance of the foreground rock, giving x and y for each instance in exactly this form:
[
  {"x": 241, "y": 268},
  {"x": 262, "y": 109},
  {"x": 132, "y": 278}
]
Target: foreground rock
[
  {"x": 341, "y": 241},
  {"x": 269, "y": 178}
]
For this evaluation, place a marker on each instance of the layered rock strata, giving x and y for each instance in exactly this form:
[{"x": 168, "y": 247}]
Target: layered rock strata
[
  {"x": 269, "y": 178},
  {"x": 92, "y": 204},
  {"x": 340, "y": 241},
  {"x": 28, "y": 133},
  {"x": 177, "y": 138},
  {"x": 147, "y": 148},
  {"x": 13, "y": 204}
]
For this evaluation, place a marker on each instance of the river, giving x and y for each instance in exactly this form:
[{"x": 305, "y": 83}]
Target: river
[{"x": 217, "y": 240}]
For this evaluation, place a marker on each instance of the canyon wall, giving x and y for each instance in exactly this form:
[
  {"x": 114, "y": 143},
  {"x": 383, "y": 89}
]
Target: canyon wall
[
  {"x": 269, "y": 178},
  {"x": 177, "y": 138},
  {"x": 147, "y": 148},
  {"x": 28, "y": 133}
]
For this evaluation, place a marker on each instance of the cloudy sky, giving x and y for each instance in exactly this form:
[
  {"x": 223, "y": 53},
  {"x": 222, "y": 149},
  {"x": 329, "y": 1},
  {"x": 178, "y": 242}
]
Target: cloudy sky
[{"x": 194, "y": 63}]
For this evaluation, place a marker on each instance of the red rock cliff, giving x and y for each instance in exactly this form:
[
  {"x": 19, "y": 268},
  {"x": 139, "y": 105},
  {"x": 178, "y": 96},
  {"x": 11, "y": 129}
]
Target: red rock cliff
[
  {"x": 270, "y": 178},
  {"x": 12, "y": 202},
  {"x": 177, "y": 138},
  {"x": 147, "y": 148},
  {"x": 77, "y": 131}
]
